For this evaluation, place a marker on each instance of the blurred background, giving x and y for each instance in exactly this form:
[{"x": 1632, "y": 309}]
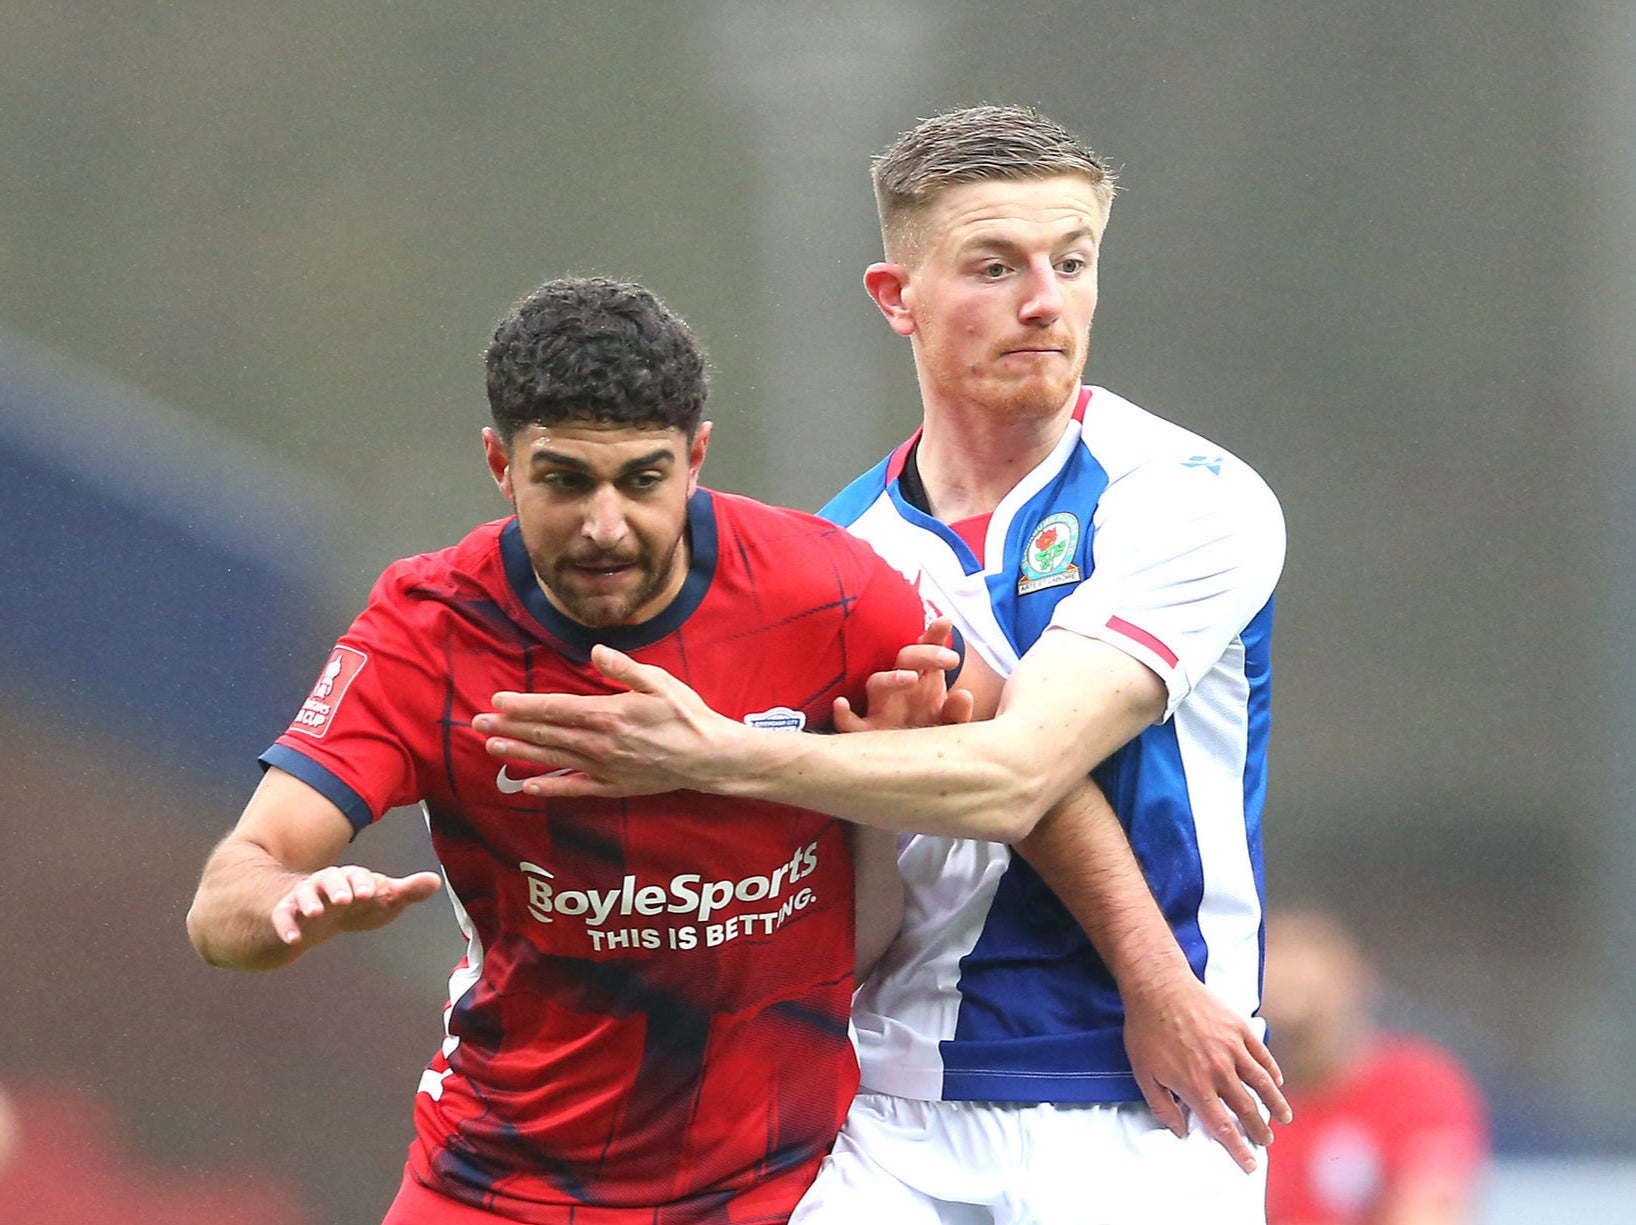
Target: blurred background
[{"x": 249, "y": 258}]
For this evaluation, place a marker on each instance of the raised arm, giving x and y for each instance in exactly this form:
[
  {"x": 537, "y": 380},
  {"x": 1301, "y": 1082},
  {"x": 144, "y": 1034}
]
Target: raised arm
[
  {"x": 1071, "y": 702},
  {"x": 271, "y": 889}
]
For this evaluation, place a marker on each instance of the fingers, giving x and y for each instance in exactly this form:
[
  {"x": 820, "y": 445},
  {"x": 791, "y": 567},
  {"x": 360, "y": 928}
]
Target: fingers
[
  {"x": 323, "y": 901},
  {"x": 512, "y": 744},
  {"x": 417, "y": 888},
  {"x": 622, "y": 669},
  {"x": 922, "y": 657},
  {"x": 316, "y": 895},
  {"x": 538, "y": 716},
  {"x": 1264, "y": 1075},
  {"x": 958, "y": 707},
  {"x": 846, "y": 719},
  {"x": 1266, "y": 1088},
  {"x": 1164, "y": 1105},
  {"x": 938, "y": 631},
  {"x": 1218, "y": 1120},
  {"x": 1248, "y": 1112}
]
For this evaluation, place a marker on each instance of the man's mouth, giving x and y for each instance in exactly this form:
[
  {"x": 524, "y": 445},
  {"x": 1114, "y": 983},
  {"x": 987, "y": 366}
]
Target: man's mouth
[{"x": 602, "y": 568}]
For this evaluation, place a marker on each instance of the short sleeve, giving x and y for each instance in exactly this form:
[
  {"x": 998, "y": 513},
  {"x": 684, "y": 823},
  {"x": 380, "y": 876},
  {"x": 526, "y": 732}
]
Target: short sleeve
[
  {"x": 357, "y": 737},
  {"x": 1184, "y": 555}
]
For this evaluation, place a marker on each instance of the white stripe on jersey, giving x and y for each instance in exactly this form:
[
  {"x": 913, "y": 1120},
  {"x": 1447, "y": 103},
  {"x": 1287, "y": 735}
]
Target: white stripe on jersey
[
  {"x": 911, "y": 1001},
  {"x": 466, "y": 974},
  {"x": 1210, "y": 733}
]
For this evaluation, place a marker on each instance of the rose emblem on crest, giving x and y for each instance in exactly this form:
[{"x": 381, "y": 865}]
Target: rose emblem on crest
[{"x": 1051, "y": 546}]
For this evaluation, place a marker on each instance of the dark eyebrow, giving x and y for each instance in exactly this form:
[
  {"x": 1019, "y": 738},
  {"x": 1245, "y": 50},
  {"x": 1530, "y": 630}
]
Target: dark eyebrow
[{"x": 655, "y": 458}]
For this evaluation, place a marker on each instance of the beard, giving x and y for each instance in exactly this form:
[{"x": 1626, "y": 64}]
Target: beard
[
  {"x": 1006, "y": 386},
  {"x": 568, "y": 586}
]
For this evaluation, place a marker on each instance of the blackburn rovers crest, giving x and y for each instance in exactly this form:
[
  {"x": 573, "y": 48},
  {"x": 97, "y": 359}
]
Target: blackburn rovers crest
[{"x": 1048, "y": 557}]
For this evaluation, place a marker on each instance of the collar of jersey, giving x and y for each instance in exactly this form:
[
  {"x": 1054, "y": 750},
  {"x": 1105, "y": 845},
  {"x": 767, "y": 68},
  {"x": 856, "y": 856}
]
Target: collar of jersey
[
  {"x": 904, "y": 488},
  {"x": 579, "y": 639},
  {"x": 909, "y": 495}
]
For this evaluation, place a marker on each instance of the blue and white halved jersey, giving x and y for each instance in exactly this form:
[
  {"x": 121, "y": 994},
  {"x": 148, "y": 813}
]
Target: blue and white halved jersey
[{"x": 1141, "y": 534}]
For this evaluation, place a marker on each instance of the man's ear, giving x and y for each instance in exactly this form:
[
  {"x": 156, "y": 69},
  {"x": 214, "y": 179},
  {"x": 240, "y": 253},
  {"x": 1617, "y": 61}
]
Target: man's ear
[
  {"x": 887, "y": 285},
  {"x": 498, "y": 457},
  {"x": 695, "y": 454}
]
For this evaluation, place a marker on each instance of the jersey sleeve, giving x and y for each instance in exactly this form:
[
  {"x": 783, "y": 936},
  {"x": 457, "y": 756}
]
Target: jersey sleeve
[
  {"x": 358, "y": 737},
  {"x": 1184, "y": 555}
]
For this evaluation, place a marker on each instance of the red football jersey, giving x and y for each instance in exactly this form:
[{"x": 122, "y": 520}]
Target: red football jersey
[
  {"x": 650, "y": 1021},
  {"x": 1406, "y": 1110}
]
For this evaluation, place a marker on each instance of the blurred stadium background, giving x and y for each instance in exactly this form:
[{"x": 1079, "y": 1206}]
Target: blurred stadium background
[{"x": 249, "y": 255}]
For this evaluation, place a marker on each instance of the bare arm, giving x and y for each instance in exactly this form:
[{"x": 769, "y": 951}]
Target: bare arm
[
  {"x": 1181, "y": 1039},
  {"x": 879, "y": 895},
  {"x": 269, "y": 891},
  {"x": 1071, "y": 702}
]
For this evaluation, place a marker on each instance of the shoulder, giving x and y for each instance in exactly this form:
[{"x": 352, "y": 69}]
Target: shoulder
[
  {"x": 1164, "y": 471},
  {"x": 467, "y": 560},
  {"x": 850, "y": 504},
  {"x": 417, "y": 593},
  {"x": 794, "y": 534},
  {"x": 799, "y": 565}
]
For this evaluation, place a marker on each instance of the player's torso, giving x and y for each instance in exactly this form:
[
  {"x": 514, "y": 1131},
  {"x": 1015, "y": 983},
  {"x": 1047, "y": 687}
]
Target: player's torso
[
  {"x": 654, "y": 998},
  {"x": 960, "y": 967},
  {"x": 990, "y": 990}
]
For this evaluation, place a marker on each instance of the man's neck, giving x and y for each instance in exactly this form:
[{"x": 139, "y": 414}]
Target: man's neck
[{"x": 970, "y": 459}]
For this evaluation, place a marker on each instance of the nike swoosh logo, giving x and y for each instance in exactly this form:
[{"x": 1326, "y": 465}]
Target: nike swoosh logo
[{"x": 511, "y": 786}]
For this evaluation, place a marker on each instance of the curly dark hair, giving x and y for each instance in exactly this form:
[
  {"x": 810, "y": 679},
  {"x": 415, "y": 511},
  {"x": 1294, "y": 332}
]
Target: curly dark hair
[{"x": 594, "y": 349}]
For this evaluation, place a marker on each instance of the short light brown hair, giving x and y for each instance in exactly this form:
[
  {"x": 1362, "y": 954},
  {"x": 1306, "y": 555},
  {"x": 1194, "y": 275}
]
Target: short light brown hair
[{"x": 971, "y": 145}]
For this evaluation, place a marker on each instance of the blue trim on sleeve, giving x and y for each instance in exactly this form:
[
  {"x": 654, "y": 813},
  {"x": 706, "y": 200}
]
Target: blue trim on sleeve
[{"x": 351, "y": 804}]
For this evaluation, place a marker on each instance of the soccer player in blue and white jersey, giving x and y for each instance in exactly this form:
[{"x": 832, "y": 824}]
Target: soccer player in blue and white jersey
[{"x": 1118, "y": 572}]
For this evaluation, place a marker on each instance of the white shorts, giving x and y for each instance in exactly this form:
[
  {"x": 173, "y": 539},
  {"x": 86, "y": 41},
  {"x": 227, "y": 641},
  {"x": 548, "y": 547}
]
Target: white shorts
[{"x": 899, "y": 1161}]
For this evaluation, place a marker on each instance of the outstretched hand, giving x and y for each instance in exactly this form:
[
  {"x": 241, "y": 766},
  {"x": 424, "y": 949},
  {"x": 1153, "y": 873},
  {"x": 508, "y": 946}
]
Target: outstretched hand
[
  {"x": 658, "y": 736},
  {"x": 1191, "y": 1052},
  {"x": 346, "y": 898},
  {"x": 916, "y": 692}
]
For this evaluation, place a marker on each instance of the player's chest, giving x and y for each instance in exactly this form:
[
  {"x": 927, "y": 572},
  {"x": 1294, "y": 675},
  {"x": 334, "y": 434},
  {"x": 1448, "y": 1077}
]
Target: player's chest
[
  {"x": 766, "y": 675},
  {"x": 1004, "y": 592}
]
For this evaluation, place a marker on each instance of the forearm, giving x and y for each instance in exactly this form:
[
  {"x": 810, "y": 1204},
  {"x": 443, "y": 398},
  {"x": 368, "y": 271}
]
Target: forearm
[
  {"x": 966, "y": 781},
  {"x": 1081, "y": 851},
  {"x": 879, "y": 895},
  {"x": 1070, "y": 704},
  {"x": 230, "y": 921}
]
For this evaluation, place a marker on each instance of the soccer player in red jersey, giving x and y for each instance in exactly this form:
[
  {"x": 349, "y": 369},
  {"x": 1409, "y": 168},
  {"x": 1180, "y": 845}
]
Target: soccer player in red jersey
[
  {"x": 1389, "y": 1128},
  {"x": 650, "y": 1019}
]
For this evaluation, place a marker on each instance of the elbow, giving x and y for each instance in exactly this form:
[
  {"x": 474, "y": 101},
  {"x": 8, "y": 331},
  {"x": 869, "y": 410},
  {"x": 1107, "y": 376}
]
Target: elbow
[
  {"x": 198, "y": 933},
  {"x": 202, "y": 933}
]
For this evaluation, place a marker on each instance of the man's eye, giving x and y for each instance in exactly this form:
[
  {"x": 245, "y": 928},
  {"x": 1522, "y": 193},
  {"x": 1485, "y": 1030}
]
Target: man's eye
[
  {"x": 643, "y": 481},
  {"x": 1072, "y": 266},
  {"x": 994, "y": 271}
]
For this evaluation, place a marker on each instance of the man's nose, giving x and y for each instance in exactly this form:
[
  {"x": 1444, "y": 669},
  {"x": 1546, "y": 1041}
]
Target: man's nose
[
  {"x": 605, "y": 517},
  {"x": 1043, "y": 303}
]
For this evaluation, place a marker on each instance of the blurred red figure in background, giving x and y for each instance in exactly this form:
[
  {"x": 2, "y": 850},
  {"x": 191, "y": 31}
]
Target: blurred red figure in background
[
  {"x": 1389, "y": 1128},
  {"x": 64, "y": 1160}
]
